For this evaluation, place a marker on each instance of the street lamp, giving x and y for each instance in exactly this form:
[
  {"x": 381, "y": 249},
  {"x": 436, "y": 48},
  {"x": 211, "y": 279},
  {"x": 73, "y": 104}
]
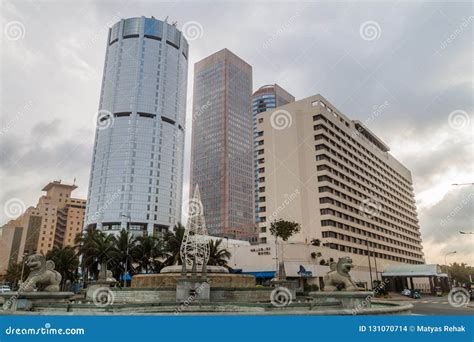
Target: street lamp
[
  {"x": 25, "y": 254},
  {"x": 454, "y": 252},
  {"x": 449, "y": 280},
  {"x": 126, "y": 255}
]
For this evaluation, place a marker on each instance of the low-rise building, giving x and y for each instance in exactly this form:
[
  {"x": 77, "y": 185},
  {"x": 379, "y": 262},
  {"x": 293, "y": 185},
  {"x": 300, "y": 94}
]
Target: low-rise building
[{"x": 55, "y": 221}]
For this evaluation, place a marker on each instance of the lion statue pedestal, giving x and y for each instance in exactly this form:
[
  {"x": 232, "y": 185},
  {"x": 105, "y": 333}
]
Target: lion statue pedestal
[
  {"x": 40, "y": 288},
  {"x": 338, "y": 278},
  {"x": 340, "y": 289}
]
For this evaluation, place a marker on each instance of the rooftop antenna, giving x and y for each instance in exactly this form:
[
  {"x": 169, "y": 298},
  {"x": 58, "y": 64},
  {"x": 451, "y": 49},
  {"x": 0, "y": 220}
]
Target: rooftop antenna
[
  {"x": 74, "y": 183},
  {"x": 166, "y": 19},
  {"x": 174, "y": 23}
]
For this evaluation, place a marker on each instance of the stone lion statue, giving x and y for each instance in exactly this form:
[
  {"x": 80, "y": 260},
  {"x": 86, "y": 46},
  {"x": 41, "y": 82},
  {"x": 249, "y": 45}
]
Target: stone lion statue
[
  {"x": 43, "y": 277},
  {"x": 339, "y": 279}
]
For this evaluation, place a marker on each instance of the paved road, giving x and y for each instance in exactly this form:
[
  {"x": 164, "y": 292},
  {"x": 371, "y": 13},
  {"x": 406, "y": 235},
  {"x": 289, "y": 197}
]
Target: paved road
[{"x": 439, "y": 306}]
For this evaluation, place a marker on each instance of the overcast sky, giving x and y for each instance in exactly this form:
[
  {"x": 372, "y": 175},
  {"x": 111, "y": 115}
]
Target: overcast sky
[{"x": 404, "y": 68}]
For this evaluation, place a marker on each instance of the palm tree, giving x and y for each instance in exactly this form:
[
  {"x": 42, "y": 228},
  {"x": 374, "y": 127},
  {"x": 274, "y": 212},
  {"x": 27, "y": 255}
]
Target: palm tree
[
  {"x": 13, "y": 274},
  {"x": 66, "y": 261},
  {"x": 96, "y": 248},
  {"x": 125, "y": 253},
  {"x": 173, "y": 241},
  {"x": 148, "y": 252},
  {"x": 218, "y": 255}
]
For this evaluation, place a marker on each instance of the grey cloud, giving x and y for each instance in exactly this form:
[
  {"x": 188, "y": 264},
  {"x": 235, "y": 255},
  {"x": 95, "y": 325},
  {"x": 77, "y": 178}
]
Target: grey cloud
[{"x": 306, "y": 47}]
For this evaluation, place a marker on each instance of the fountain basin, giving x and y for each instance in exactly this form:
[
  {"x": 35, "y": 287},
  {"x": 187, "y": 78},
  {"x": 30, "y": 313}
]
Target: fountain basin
[
  {"x": 345, "y": 299},
  {"x": 14, "y": 301},
  {"x": 168, "y": 280}
]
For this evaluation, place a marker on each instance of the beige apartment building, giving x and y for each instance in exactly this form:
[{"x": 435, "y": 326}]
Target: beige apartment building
[
  {"x": 338, "y": 180},
  {"x": 55, "y": 221}
]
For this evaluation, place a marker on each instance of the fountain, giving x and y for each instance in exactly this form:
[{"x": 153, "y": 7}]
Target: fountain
[
  {"x": 194, "y": 287},
  {"x": 213, "y": 282}
]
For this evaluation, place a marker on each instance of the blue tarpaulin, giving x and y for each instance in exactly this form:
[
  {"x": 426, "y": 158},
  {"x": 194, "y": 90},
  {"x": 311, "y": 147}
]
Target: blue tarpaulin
[
  {"x": 264, "y": 274},
  {"x": 127, "y": 277}
]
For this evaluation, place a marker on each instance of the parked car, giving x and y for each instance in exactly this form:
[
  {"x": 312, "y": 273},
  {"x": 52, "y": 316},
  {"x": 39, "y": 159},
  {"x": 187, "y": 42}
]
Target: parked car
[{"x": 4, "y": 288}]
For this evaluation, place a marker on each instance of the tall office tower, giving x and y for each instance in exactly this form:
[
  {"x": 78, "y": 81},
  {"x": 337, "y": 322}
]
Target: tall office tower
[
  {"x": 54, "y": 222},
  {"x": 264, "y": 98},
  {"x": 222, "y": 156},
  {"x": 137, "y": 166},
  {"x": 338, "y": 180}
]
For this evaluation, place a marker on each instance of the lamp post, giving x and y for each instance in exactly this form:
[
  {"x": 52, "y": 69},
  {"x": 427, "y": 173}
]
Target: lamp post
[
  {"x": 126, "y": 255},
  {"x": 370, "y": 266},
  {"x": 25, "y": 254},
  {"x": 445, "y": 262},
  {"x": 375, "y": 261}
]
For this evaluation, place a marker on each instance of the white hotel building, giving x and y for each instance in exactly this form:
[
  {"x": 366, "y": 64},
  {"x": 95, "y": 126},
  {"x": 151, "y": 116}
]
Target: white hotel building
[{"x": 337, "y": 179}]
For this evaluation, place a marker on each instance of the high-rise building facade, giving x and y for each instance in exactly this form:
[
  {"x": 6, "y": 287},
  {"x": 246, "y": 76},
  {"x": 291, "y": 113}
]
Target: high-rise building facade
[
  {"x": 54, "y": 222},
  {"x": 338, "y": 180},
  {"x": 265, "y": 98},
  {"x": 137, "y": 168},
  {"x": 222, "y": 144}
]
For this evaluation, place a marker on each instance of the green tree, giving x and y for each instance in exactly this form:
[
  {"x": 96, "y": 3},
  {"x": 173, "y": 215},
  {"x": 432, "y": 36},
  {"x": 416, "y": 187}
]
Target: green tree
[
  {"x": 284, "y": 229},
  {"x": 13, "y": 273},
  {"x": 96, "y": 248},
  {"x": 149, "y": 253},
  {"x": 218, "y": 255},
  {"x": 459, "y": 272},
  {"x": 125, "y": 253},
  {"x": 173, "y": 241},
  {"x": 66, "y": 261}
]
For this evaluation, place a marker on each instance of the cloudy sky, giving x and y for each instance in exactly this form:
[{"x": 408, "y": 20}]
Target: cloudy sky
[{"x": 404, "y": 68}]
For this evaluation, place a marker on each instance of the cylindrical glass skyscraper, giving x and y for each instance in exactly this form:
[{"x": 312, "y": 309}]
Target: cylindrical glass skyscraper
[{"x": 137, "y": 166}]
